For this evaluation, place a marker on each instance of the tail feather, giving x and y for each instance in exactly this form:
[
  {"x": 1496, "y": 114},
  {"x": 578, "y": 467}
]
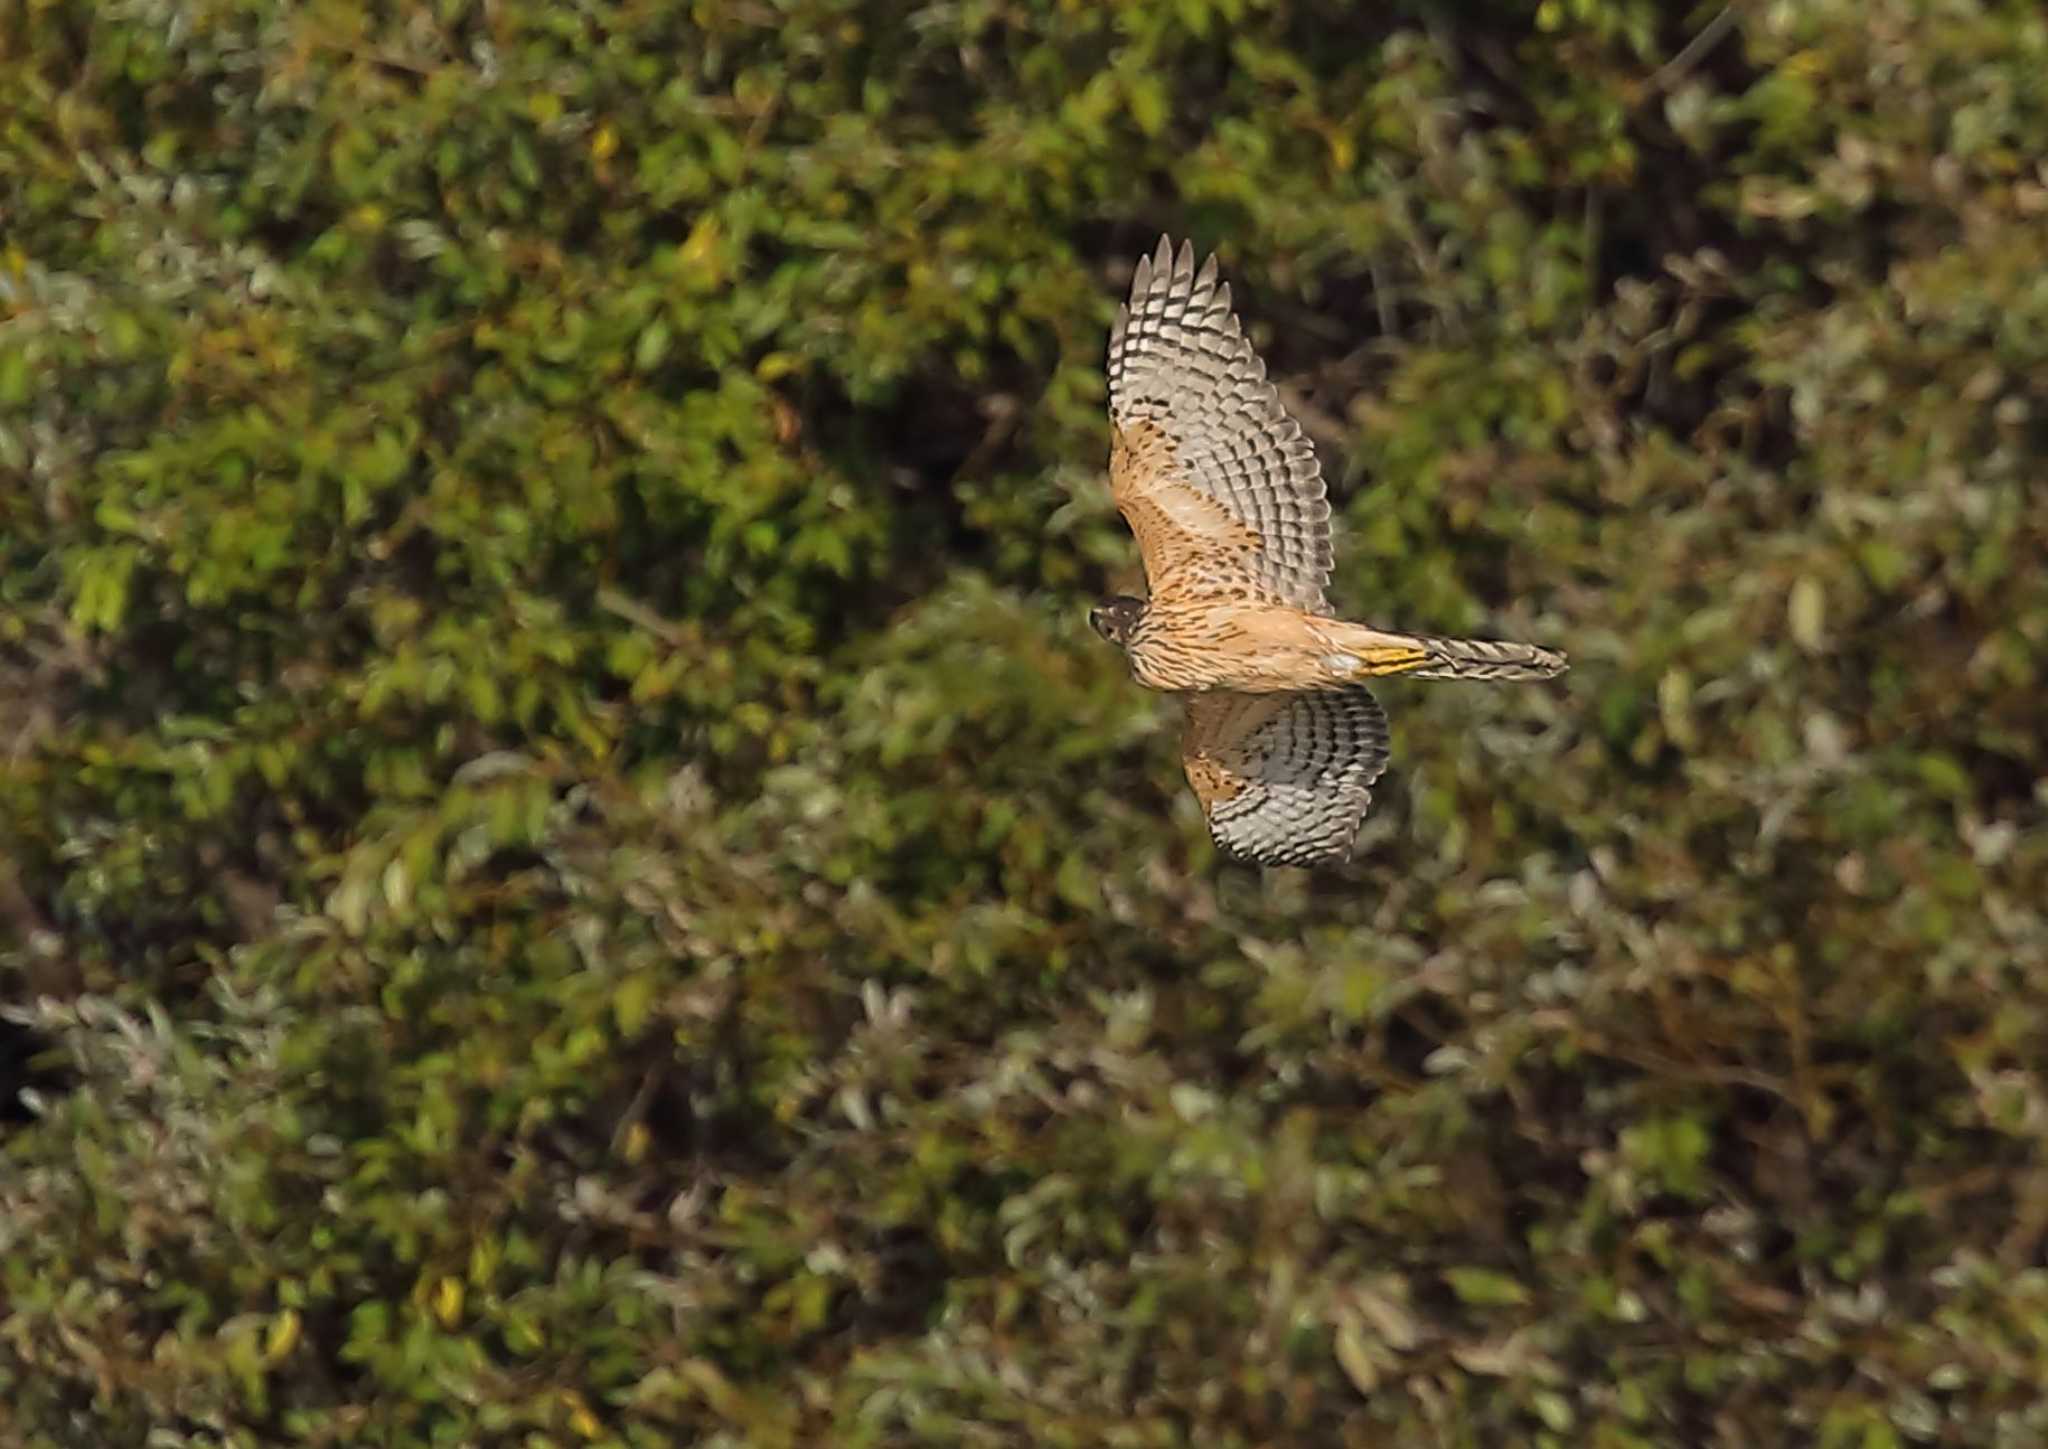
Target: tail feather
[
  {"x": 1361, "y": 651},
  {"x": 1484, "y": 659}
]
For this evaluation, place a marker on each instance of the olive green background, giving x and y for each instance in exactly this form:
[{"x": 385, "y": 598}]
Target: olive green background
[{"x": 571, "y": 872}]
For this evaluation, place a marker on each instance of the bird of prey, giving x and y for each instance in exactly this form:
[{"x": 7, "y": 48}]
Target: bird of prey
[{"x": 1225, "y": 497}]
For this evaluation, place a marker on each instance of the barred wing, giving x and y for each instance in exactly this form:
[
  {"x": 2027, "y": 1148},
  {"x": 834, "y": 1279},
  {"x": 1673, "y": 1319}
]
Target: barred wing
[
  {"x": 1216, "y": 480},
  {"x": 1285, "y": 779}
]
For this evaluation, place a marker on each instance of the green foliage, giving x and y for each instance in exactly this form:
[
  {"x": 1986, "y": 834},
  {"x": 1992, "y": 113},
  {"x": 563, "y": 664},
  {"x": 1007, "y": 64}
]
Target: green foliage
[{"x": 570, "y": 871}]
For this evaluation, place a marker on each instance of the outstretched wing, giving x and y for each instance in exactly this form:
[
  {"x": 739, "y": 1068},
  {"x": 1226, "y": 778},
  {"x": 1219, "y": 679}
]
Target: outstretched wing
[
  {"x": 1215, "y": 479},
  {"x": 1285, "y": 779}
]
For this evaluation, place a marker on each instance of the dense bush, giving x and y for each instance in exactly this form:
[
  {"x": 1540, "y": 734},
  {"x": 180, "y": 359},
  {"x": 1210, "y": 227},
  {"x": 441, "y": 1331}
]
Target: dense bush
[{"x": 571, "y": 872}]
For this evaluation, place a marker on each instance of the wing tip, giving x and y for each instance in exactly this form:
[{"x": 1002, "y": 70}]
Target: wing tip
[
  {"x": 1316, "y": 857},
  {"x": 1175, "y": 263}
]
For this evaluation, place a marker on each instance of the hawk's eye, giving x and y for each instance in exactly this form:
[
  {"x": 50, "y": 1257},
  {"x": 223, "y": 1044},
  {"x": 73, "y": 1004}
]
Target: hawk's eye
[{"x": 1114, "y": 619}]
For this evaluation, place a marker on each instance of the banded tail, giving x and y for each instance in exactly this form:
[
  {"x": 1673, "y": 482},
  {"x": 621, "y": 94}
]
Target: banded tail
[
  {"x": 1485, "y": 659},
  {"x": 1420, "y": 656}
]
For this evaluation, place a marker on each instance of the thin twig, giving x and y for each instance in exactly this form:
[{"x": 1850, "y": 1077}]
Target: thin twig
[
  {"x": 1695, "y": 50},
  {"x": 635, "y": 612}
]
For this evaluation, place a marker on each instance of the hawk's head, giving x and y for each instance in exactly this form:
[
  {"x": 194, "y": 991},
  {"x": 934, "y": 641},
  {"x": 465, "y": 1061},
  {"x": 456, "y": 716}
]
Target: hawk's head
[{"x": 1114, "y": 619}]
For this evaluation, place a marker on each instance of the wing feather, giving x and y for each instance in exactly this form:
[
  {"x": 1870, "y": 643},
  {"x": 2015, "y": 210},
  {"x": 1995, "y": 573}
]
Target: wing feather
[
  {"x": 1285, "y": 779},
  {"x": 1219, "y": 484}
]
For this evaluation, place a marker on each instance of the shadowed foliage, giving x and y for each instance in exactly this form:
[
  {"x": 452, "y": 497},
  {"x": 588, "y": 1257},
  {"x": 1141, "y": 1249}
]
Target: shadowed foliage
[{"x": 571, "y": 871}]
